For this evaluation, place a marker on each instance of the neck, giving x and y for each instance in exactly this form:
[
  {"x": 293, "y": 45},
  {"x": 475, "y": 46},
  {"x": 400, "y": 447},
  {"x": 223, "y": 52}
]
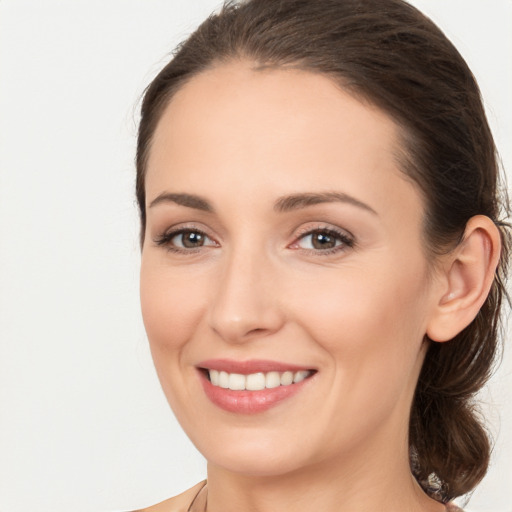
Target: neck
[{"x": 364, "y": 481}]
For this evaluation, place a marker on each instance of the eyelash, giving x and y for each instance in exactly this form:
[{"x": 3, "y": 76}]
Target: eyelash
[
  {"x": 347, "y": 241},
  {"x": 165, "y": 240}
]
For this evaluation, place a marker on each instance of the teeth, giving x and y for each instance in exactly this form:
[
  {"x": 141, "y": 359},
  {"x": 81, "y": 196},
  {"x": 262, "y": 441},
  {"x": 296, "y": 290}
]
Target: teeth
[
  {"x": 236, "y": 381},
  {"x": 256, "y": 381},
  {"x": 286, "y": 378},
  {"x": 272, "y": 380},
  {"x": 214, "y": 377},
  {"x": 224, "y": 380},
  {"x": 300, "y": 376}
]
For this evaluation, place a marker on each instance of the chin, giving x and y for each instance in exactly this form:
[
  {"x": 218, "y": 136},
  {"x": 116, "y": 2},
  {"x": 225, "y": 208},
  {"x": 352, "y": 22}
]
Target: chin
[
  {"x": 259, "y": 456},
  {"x": 263, "y": 467}
]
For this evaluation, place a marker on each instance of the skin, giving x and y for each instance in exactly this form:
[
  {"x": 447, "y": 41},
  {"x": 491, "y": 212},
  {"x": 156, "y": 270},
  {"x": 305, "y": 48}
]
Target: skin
[{"x": 242, "y": 139}]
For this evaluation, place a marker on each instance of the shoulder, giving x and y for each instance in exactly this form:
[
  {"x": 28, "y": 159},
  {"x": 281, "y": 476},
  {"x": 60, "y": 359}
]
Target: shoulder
[{"x": 180, "y": 503}]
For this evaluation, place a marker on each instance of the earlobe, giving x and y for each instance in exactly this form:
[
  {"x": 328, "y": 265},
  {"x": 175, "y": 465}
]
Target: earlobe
[{"x": 468, "y": 275}]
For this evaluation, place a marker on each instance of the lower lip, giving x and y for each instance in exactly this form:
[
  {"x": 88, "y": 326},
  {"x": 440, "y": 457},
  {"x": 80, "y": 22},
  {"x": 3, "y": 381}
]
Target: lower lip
[{"x": 249, "y": 402}]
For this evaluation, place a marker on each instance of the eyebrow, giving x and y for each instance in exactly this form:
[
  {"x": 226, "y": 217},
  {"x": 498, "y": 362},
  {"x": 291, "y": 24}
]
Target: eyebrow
[
  {"x": 188, "y": 200},
  {"x": 282, "y": 205},
  {"x": 298, "y": 201}
]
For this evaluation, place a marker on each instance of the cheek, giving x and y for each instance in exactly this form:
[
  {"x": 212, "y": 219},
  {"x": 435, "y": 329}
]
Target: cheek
[
  {"x": 369, "y": 324},
  {"x": 172, "y": 305},
  {"x": 371, "y": 314},
  {"x": 171, "y": 309}
]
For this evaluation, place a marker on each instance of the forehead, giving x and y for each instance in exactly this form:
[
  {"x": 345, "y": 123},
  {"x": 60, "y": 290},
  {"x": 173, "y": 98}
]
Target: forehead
[
  {"x": 284, "y": 130},
  {"x": 257, "y": 101}
]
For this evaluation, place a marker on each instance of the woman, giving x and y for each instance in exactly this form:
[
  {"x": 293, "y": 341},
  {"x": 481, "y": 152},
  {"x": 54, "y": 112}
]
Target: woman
[{"x": 323, "y": 257}]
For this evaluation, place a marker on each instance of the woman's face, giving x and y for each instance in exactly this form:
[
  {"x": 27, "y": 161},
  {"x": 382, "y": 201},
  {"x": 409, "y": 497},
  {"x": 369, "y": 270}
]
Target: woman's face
[{"x": 283, "y": 243}]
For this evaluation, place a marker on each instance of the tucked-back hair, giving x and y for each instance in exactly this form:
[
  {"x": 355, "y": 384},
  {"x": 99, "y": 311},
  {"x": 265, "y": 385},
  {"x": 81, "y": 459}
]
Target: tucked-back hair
[{"x": 386, "y": 53}]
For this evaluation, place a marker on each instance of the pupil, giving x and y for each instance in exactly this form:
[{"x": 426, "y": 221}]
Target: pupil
[
  {"x": 192, "y": 239},
  {"x": 323, "y": 241}
]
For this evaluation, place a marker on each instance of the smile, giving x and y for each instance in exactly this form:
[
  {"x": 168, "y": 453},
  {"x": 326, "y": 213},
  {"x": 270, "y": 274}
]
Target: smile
[
  {"x": 253, "y": 386},
  {"x": 256, "y": 381}
]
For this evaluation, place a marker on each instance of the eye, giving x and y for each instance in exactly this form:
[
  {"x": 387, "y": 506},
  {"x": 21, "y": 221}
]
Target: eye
[
  {"x": 189, "y": 239},
  {"x": 324, "y": 240},
  {"x": 185, "y": 239}
]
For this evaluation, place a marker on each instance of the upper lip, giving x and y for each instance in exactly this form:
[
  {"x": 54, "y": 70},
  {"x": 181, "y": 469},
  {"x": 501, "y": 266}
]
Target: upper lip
[{"x": 250, "y": 366}]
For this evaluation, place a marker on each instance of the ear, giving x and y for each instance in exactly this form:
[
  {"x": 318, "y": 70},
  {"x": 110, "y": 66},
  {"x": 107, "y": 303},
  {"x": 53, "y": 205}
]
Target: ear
[{"x": 466, "y": 277}]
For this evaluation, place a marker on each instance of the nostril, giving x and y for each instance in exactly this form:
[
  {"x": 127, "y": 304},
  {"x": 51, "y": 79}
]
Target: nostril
[{"x": 258, "y": 330}]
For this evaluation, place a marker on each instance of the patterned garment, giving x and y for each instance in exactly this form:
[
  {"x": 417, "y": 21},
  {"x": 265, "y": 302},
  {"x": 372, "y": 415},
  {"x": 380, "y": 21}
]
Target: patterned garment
[{"x": 451, "y": 507}]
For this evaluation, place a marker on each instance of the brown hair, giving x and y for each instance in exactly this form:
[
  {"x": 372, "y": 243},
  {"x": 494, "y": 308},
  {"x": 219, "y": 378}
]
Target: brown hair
[{"x": 387, "y": 53}]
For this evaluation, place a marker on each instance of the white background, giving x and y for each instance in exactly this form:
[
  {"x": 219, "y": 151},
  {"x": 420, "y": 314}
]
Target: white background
[{"x": 83, "y": 423}]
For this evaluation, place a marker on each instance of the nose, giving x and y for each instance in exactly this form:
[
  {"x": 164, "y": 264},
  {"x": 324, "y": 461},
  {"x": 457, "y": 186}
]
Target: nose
[{"x": 246, "y": 299}]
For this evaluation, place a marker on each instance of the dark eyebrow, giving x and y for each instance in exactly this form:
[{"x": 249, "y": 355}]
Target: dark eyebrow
[
  {"x": 283, "y": 204},
  {"x": 297, "y": 201},
  {"x": 188, "y": 200}
]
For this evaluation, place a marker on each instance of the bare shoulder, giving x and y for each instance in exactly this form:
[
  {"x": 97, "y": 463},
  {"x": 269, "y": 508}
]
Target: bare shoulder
[{"x": 180, "y": 503}]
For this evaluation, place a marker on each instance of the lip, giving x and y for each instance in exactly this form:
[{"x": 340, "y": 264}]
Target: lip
[
  {"x": 249, "y": 402},
  {"x": 250, "y": 366}
]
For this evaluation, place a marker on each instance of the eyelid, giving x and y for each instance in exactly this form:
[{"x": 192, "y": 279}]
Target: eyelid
[
  {"x": 347, "y": 239},
  {"x": 164, "y": 237},
  {"x": 322, "y": 226}
]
